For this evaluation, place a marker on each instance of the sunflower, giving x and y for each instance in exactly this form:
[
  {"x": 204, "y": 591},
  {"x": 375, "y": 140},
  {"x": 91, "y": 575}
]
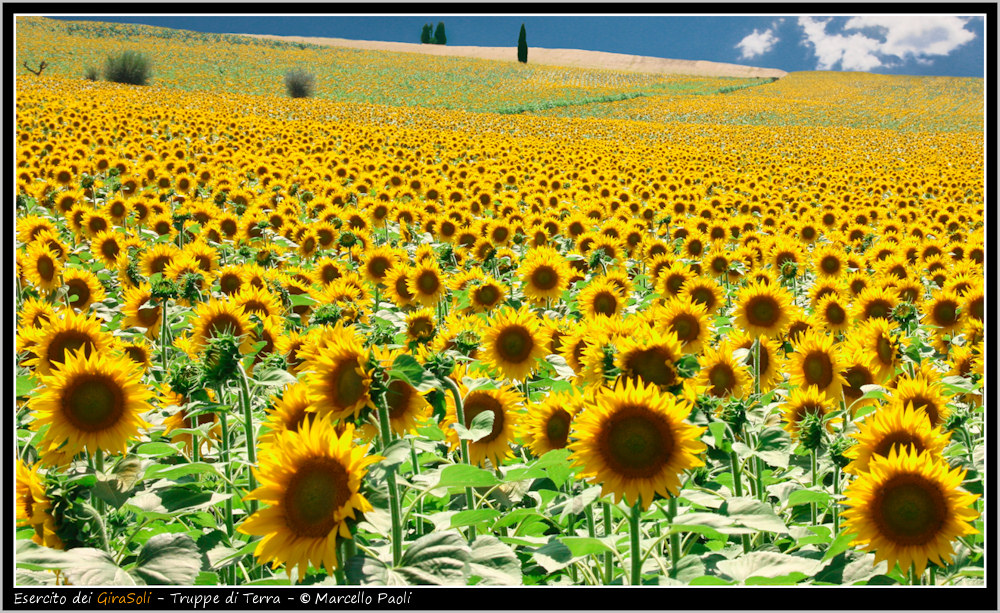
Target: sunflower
[
  {"x": 858, "y": 370},
  {"x": 601, "y": 298},
  {"x": 217, "y": 317},
  {"x": 34, "y": 508},
  {"x": 650, "y": 358},
  {"x": 514, "y": 341},
  {"x": 486, "y": 295},
  {"x": 92, "y": 402},
  {"x": 35, "y": 313},
  {"x": 829, "y": 262},
  {"x": 816, "y": 361},
  {"x": 685, "y": 318},
  {"x": 83, "y": 288},
  {"x": 377, "y": 262},
  {"x": 425, "y": 284},
  {"x": 547, "y": 425},
  {"x": 943, "y": 310},
  {"x": 634, "y": 442},
  {"x": 420, "y": 325},
  {"x": 138, "y": 351},
  {"x": 924, "y": 391},
  {"x": 802, "y": 402},
  {"x": 290, "y": 411},
  {"x": 141, "y": 311},
  {"x": 310, "y": 482},
  {"x": 340, "y": 380},
  {"x": 875, "y": 303},
  {"x": 672, "y": 278},
  {"x": 908, "y": 508},
  {"x": 973, "y": 302},
  {"x": 68, "y": 332},
  {"x": 722, "y": 375},
  {"x": 877, "y": 339},
  {"x": 258, "y": 301},
  {"x": 42, "y": 267},
  {"x": 893, "y": 427},
  {"x": 833, "y": 311},
  {"x": 407, "y": 407},
  {"x": 503, "y": 403},
  {"x": 771, "y": 358},
  {"x": 107, "y": 245},
  {"x": 704, "y": 291},
  {"x": 156, "y": 259},
  {"x": 460, "y": 333},
  {"x": 763, "y": 310}
]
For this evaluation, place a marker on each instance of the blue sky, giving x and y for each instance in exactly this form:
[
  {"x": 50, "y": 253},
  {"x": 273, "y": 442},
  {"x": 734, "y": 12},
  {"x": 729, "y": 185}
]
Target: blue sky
[{"x": 937, "y": 44}]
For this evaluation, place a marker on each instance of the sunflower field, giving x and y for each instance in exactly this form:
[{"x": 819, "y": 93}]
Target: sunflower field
[{"x": 718, "y": 338}]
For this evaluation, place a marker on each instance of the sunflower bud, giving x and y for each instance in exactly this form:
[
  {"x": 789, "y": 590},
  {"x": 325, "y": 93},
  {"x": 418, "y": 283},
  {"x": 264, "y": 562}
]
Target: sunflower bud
[
  {"x": 164, "y": 289},
  {"x": 789, "y": 269},
  {"x": 467, "y": 341},
  {"x": 811, "y": 431},
  {"x": 440, "y": 365},
  {"x": 184, "y": 378},
  {"x": 328, "y": 314},
  {"x": 837, "y": 448},
  {"x": 733, "y": 413},
  {"x": 221, "y": 360},
  {"x": 347, "y": 239},
  {"x": 956, "y": 419},
  {"x": 190, "y": 288},
  {"x": 179, "y": 219},
  {"x": 903, "y": 313}
]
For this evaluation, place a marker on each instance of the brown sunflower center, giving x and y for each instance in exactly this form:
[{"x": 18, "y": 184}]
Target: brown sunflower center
[
  {"x": 909, "y": 510},
  {"x": 557, "y": 429},
  {"x": 686, "y": 327},
  {"x": 605, "y": 303},
  {"x": 422, "y": 328},
  {"x": 93, "y": 403},
  {"x": 487, "y": 295},
  {"x": 763, "y": 311},
  {"x": 928, "y": 405},
  {"x": 110, "y": 249},
  {"x": 856, "y": 376},
  {"x": 653, "y": 365},
  {"x": 835, "y": 314},
  {"x": 946, "y": 313},
  {"x": 976, "y": 307},
  {"x": 722, "y": 378},
  {"x": 817, "y": 367},
  {"x": 378, "y": 265},
  {"x": 136, "y": 354},
  {"x": 223, "y": 323},
  {"x": 148, "y": 316},
  {"x": 80, "y": 289},
  {"x": 765, "y": 358},
  {"x": 705, "y": 296},
  {"x": 46, "y": 268},
  {"x": 514, "y": 344},
  {"x": 476, "y": 403},
  {"x": 884, "y": 350},
  {"x": 898, "y": 439},
  {"x": 68, "y": 340},
  {"x": 674, "y": 283},
  {"x": 397, "y": 397},
  {"x": 878, "y": 309},
  {"x": 544, "y": 278},
  {"x": 636, "y": 443},
  {"x": 313, "y": 495},
  {"x": 428, "y": 282},
  {"x": 402, "y": 289},
  {"x": 830, "y": 264},
  {"x": 347, "y": 386}
]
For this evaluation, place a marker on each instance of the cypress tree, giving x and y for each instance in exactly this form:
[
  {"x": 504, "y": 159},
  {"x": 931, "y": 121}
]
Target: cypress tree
[
  {"x": 522, "y": 46},
  {"x": 439, "y": 36},
  {"x": 425, "y": 34}
]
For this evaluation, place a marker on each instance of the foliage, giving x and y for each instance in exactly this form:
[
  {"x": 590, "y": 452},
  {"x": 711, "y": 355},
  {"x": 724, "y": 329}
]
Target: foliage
[
  {"x": 522, "y": 46},
  {"x": 128, "y": 67},
  {"x": 299, "y": 83}
]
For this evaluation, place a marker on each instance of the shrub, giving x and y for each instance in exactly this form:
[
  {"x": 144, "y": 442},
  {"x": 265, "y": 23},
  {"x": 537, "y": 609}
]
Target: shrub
[
  {"x": 129, "y": 67},
  {"x": 425, "y": 34},
  {"x": 299, "y": 83},
  {"x": 439, "y": 36},
  {"x": 91, "y": 73}
]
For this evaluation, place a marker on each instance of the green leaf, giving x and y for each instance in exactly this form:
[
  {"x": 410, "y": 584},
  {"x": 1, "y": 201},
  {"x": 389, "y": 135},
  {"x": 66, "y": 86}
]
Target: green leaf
[
  {"x": 494, "y": 562},
  {"x": 172, "y": 501},
  {"x": 406, "y": 368},
  {"x": 473, "y": 517},
  {"x": 275, "y": 377},
  {"x": 440, "y": 558},
  {"x": 167, "y": 471},
  {"x": 768, "y": 564},
  {"x": 464, "y": 475},
  {"x": 839, "y": 545},
  {"x": 89, "y": 566},
  {"x": 156, "y": 450},
  {"x": 753, "y": 514},
  {"x": 482, "y": 426},
  {"x": 168, "y": 559},
  {"x": 806, "y": 497},
  {"x": 301, "y": 300},
  {"x": 116, "y": 487},
  {"x": 25, "y": 385},
  {"x": 577, "y": 504},
  {"x": 563, "y": 370},
  {"x": 709, "y": 580},
  {"x": 395, "y": 454},
  {"x": 558, "y": 553},
  {"x": 718, "y": 430},
  {"x": 873, "y": 391}
]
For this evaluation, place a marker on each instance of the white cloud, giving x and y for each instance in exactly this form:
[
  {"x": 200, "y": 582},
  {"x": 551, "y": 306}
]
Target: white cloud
[
  {"x": 903, "y": 37},
  {"x": 757, "y": 43}
]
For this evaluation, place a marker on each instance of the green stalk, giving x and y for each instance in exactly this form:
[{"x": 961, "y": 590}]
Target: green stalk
[
  {"x": 470, "y": 503},
  {"x": 608, "y": 562},
  {"x": 416, "y": 471},
  {"x": 836, "y": 492},
  {"x": 812, "y": 505},
  {"x": 248, "y": 429},
  {"x": 224, "y": 453},
  {"x": 390, "y": 477},
  {"x": 98, "y": 502},
  {"x": 633, "y": 528},
  {"x": 163, "y": 337},
  {"x": 675, "y": 539},
  {"x": 738, "y": 487}
]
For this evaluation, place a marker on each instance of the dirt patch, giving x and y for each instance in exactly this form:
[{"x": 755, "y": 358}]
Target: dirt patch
[{"x": 551, "y": 57}]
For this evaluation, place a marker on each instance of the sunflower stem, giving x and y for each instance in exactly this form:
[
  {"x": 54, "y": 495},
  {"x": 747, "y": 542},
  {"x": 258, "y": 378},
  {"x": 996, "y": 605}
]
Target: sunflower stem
[
  {"x": 248, "y": 428},
  {"x": 416, "y": 471},
  {"x": 633, "y": 525},
  {"x": 738, "y": 489},
  {"x": 608, "y": 561},
  {"x": 224, "y": 453},
  {"x": 163, "y": 337},
  {"x": 99, "y": 522},
  {"x": 812, "y": 505},
  {"x": 98, "y": 502},
  {"x": 390, "y": 478},
  {"x": 470, "y": 503},
  {"x": 675, "y": 539},
  {"x": 836, "y": 493}
]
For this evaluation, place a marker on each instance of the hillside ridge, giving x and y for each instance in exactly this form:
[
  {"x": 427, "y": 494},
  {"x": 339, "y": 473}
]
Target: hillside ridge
[{"x": 577, "y": 58}]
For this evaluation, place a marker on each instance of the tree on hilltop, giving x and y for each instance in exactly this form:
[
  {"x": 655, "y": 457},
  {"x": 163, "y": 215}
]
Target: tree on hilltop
[
  {"x": 439, "y": 37},
  {"x": 522, "y": 46},
  {"x": 425, "y": 34}
]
